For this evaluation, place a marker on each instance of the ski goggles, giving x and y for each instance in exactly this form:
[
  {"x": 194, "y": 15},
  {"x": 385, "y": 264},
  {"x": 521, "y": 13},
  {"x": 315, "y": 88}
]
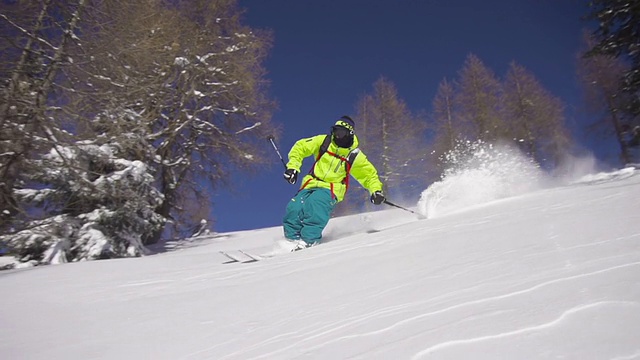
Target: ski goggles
[
  {"x": 340, "y": 131},
  {"x": 345, "y": 125}
]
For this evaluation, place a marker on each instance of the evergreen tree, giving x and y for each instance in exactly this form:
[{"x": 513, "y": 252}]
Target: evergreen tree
[
  {"x": 618, "y": 35},
  {"x": 602, "y": 78},
  {"x": 98, "y": 205}
]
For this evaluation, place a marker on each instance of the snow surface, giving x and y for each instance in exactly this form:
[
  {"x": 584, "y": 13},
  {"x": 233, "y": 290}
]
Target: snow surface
[{"x": 549, "y": 274}]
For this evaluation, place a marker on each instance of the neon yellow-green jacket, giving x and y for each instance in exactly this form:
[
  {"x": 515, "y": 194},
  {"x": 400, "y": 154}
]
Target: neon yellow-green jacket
[{"x": 330, "y": 171}]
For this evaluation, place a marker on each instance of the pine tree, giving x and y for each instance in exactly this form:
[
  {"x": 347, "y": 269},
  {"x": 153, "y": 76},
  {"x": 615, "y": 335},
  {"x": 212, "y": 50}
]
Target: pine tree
[
  {"x": 618, "y": 35},
  {"x": 98, "y": 204},
  {"x": 602, "y": 77}
]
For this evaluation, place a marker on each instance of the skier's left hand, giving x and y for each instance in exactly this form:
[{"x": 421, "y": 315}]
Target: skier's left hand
[{"x": 377, "y": 197}]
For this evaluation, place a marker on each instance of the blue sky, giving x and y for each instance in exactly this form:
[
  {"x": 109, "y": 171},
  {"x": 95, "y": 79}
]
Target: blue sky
[{"x": 328, "y": 53}]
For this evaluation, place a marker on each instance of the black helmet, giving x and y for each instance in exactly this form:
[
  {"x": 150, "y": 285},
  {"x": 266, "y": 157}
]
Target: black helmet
[{"x": 343, "y": 131}]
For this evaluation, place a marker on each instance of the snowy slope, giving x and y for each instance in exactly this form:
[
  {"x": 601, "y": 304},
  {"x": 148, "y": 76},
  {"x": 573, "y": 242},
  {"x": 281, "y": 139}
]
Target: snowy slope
[{"x": 552, "y": 273}]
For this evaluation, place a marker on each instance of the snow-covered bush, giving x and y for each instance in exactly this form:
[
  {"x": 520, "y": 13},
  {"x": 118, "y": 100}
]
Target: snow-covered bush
[{"x": 95, "y": 204}]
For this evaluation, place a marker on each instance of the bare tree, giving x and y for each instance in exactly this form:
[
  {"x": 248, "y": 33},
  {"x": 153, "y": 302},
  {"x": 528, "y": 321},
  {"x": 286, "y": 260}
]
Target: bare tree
[
  {"x": 478, "y": 97},
  {"x": 95, "y": 109},
  {"x": 36, "y": 41},
  {"x": 193, "y": 72},
  {"x": 392, "y": 137},
  {"x": 535, "y": 117},
  {"x": 448, "y": 127},
  {"x": 478, "y": 106}
]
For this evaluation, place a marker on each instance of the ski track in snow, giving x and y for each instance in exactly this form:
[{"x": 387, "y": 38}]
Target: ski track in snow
[
  {"x": 635, "y": 355},
  {"x": 458, "y": 306},
  {"x": 323, "y": 331},
  {"x": 521, "y": 331}
]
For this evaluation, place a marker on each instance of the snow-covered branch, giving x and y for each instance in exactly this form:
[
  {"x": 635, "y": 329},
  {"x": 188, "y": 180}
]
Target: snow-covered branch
[{"x": 249, "y": 128}]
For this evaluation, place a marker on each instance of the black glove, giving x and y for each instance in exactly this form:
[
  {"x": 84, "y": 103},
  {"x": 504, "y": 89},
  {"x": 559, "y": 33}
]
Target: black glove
[
  {"x": 291, "y": 176},
  {"x": 377, "y": 197}
]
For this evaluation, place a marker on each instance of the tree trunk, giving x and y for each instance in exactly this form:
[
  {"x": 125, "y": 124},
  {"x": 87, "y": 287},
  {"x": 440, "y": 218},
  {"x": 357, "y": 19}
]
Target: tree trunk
[{"x": 624, "y": 149}]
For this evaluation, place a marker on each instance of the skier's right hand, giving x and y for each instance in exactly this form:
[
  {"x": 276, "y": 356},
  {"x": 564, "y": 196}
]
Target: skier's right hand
[{"x": 291, "y": 176}]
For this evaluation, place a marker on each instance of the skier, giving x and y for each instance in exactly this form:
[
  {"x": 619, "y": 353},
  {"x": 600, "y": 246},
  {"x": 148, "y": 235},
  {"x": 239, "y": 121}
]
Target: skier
[{"x": 336, "y": 157}]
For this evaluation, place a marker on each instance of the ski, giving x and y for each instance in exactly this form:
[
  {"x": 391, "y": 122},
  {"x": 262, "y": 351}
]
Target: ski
[
  {"x": 236, "y": 259},
  {"x": 242, "y": 256},
  {"x": 251, "y": 256}
]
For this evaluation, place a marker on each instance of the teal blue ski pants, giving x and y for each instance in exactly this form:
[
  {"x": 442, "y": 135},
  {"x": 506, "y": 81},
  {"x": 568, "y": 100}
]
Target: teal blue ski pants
[{"x": 307, "y": 214}]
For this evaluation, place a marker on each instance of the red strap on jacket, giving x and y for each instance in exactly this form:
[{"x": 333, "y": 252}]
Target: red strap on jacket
[{"x": 345, "y": 181}]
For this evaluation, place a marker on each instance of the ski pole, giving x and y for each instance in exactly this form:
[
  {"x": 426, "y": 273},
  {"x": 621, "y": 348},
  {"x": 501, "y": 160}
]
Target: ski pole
[
  {"x": 405, "y": 209},
  {"x": 275, "y": 147}
]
